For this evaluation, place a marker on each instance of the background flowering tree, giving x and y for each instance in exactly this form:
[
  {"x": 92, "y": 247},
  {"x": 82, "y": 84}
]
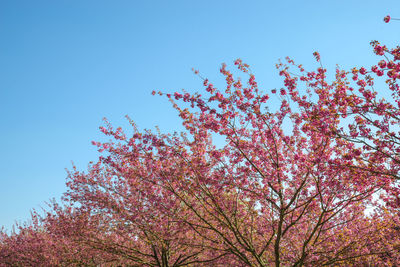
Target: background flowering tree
[{"x": 38, "y": 244}]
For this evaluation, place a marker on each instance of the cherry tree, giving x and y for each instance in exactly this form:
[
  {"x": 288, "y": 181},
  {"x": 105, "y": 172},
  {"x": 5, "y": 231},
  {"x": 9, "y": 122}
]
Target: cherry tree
[
  {"x": 276, "y": 193},
  {"x": 34, "y": 244},
  {"x": 307, "y": 175}
]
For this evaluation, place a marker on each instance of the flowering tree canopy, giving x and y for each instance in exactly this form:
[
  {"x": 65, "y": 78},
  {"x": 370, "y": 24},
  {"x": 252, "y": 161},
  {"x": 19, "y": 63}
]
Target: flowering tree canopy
[{"x": 311, "y": 181}]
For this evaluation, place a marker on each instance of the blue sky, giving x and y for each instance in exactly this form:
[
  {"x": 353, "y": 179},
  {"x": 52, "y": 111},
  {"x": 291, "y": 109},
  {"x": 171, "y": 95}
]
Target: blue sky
[{"x": 64, "y": 65}]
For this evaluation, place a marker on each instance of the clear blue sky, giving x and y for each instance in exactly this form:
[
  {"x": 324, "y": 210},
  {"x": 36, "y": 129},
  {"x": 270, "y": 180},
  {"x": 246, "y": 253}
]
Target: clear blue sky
[{"x": 64, "y": 65}]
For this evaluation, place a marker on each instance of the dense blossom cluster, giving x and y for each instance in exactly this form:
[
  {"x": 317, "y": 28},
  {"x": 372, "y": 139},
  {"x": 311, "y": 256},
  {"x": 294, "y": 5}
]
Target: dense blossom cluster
[{"x": 310, "y": 182}]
